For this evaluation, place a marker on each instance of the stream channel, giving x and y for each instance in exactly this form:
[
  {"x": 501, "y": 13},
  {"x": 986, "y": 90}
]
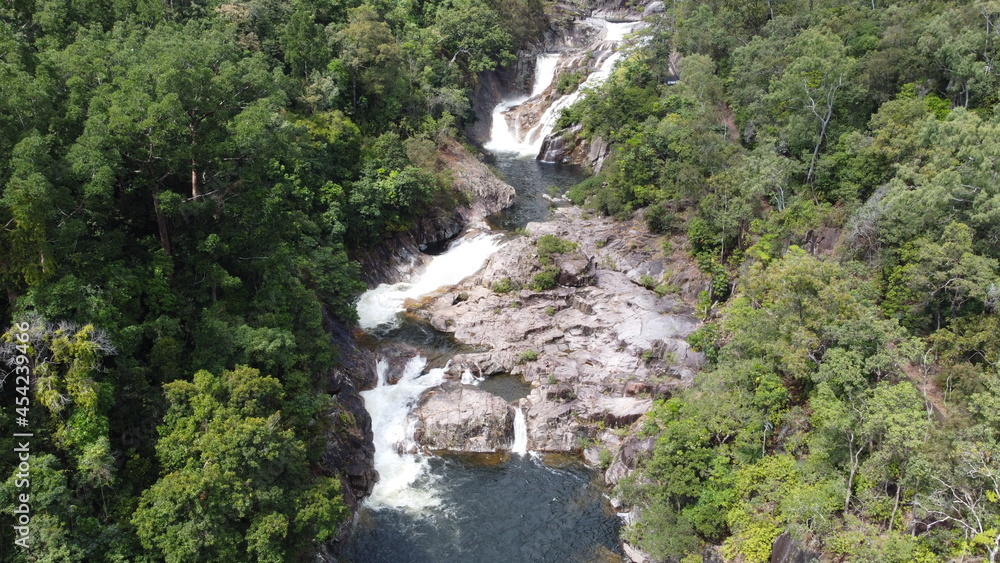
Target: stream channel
[{"x": 515, "y": 506}]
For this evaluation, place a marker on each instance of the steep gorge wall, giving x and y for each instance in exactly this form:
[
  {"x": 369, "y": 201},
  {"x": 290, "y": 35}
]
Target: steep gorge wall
[{"x": 484, "y": 194}]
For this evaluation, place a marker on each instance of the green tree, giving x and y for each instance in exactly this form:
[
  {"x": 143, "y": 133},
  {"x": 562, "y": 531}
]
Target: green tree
[
  {"x": 945, "y": 276},
  {"x": 472, "y": 34},
  {"x": 965, "y": 492},
  {"x": 236, "y": 481},
  {"x": 811, "y": 88}
]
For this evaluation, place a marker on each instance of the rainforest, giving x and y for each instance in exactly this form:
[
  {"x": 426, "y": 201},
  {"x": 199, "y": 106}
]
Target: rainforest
[{"x": 499, "y": 280}]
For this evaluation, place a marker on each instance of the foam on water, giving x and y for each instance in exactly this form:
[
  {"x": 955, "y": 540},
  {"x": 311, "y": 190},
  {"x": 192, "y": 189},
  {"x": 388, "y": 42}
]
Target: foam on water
[
  {"x": 506, "y": 136},
  {"x": 404, "y": 481},
  {"x": 503, "y": 135},
  {"x": 545, "y": 72}
]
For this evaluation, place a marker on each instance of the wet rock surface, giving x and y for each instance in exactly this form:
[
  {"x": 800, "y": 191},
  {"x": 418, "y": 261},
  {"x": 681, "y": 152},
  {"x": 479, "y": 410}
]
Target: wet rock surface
[
  {"x": 598, "y": 349},
  {"x": 349, "y": 452},
  {"x": 625, "y": 10}
]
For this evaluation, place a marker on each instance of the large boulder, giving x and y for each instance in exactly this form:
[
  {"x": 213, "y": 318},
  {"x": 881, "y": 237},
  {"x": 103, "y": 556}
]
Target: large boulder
[
  {"x": 787, "y": 550},
  {"x": 576, "y": 269},
  {"x": 597, "y": 348},
  {"x": 460, "y": 417},
  {"x": 636, "y": 555}
]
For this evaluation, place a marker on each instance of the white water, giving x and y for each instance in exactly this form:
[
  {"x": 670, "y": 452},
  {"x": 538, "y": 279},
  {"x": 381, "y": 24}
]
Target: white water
[
  {"x": 548, "y": 120},
  {"x": 504, "y": 135},
  {"x": 505, "y": 132},
  {"x": 404, "y": 481},
  {"x": 614, "y": 31},
  {"x": 403, "y": 478},
  {"x": 520, "y": 445},
  {"x": 545, "y": 72},
  {"x": 379, "y": 307}
]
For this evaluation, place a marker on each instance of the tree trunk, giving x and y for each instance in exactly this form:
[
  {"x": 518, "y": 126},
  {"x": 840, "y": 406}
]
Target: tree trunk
[
  {"x": 195, "y": 191},
  {"x": 161, "y": 223},
  {"x": 895, "y": 506},
  {"x": 193, "y": 129},
  {"x": 812, "y": 163},
  {"x": 850, "y": 485}
]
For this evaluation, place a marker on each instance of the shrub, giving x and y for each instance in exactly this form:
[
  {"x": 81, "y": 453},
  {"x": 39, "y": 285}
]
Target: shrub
[
  {"x": 527, "y": 356},
  {"x": 665, "y": 288},
  {"x": 550, "y": 311},
  {"x": 659, "y": 219},
  {"x": 569, "y": 117},
  {"x": 568, "y": 82},
  {"x": 505, "y": 285},
  {"x": 605, "y": 457},
  {"x": 705, "y": 340},
  {"x": 546, "y": 279},
  {"x": 647, "y": 281},
  {"x": 548, "y": 245}
]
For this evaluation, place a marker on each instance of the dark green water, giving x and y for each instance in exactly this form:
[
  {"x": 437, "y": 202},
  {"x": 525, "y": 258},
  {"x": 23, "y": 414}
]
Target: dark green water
[
  {"x": 533, "y": 180},
  {"x": 510, "y": 387},
  {"x": 518, "y": 510}
]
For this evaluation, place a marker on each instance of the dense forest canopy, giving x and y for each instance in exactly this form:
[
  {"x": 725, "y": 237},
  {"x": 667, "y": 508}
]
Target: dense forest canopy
[
  {"x": 182, "y": 183},
  {"x": 853, "y": 389}
]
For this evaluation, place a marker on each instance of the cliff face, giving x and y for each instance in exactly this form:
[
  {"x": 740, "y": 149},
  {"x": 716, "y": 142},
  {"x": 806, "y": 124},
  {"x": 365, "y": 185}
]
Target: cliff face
[
  {"x": 492, "y": 86},
  {"x": 349, "y": 449},
  {"x": 349, "y": 452}
]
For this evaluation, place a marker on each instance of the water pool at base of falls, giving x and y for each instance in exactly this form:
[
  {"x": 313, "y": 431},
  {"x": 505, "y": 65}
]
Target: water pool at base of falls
[
  {"x": 490, "y": 510},
  {"x": 533, "y": 179},
  {"x": 506, "y": 386}
]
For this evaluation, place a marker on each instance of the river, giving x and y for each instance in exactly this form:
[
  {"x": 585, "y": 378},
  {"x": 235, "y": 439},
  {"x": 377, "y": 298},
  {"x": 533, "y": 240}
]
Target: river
[{"x": 518, "y": 506}]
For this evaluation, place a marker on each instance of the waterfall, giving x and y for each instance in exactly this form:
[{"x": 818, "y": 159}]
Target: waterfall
[
  {"x": 379, "y": 307},
  {"x": 520, "y": 445},
  {"x": 404, "y": 481},
  {"x": 545, "y": 71},
  {"x": 504, "y": 135},
  {"x": 521, "y": 123},
  {"x": 381, "y": 368},
  {"x": 398, "y": 467}
]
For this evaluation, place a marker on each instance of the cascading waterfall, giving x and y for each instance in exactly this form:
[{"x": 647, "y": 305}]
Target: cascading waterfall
[
  {"x": 545, "y": 71},
  {"x": 399, "y": 469},
  {"x": 419, "y": 508},
  {"x": 403, "y": 478},
  {"x": 520, "y": 445},
  {"x": 380, "y": 307},
  {"x": 521, "y": 124}
]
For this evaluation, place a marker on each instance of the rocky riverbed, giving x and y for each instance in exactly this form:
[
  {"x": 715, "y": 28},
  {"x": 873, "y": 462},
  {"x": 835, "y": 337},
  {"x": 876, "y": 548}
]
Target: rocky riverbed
[{"x": 597, "y": 348}]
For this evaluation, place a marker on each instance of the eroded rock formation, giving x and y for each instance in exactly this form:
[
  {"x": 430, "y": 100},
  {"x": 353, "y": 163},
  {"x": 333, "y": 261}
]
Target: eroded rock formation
[
  {"x": 597, "y": 349},
  {"x": 486, "y": 194}
]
